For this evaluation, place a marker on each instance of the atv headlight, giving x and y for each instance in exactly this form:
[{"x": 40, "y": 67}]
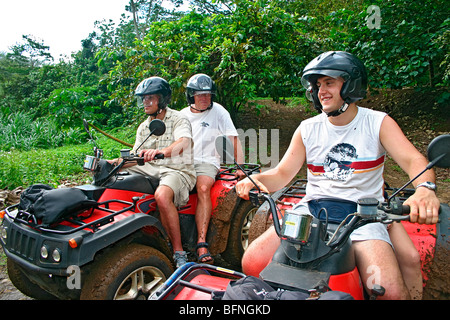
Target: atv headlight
[
  {"x": 44, "y": 252},
  {"x": 3, "y": 233},
  {"x": 56, "y": 255}
]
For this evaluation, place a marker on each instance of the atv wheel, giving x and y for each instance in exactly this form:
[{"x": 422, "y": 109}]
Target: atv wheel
[
  {"x": 238, "y": 236},
  {"x": 131, "y": 272},
  {"x": 21, "y": 282}
]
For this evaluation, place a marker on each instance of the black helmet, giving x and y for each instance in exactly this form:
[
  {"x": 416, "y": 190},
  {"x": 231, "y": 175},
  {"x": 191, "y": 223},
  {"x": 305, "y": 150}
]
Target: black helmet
[
  {"x": 336, "y": 64},
  {"x": 200, "y": 82},
  {"x": 155, "y": 85}
]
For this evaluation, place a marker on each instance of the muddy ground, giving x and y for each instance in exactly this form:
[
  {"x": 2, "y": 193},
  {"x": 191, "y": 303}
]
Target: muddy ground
[{"x": 407, "y": 107}]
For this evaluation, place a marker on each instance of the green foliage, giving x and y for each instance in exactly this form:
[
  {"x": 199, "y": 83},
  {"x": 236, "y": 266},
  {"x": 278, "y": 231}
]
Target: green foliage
[
  {"x": 20, "y": 131},
  {"x": 24, "y": 168},
  {"x": 69, "y": 106},
  {"x": 407, "y": 50},
  {"x": 59, "y": 164},
  {"x": 251, "y": 48},
  {"x": 256, "y": 51}
]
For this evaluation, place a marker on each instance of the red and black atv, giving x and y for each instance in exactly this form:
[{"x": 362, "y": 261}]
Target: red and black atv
[
  {"x": 105, "y": 240},
  {"x": 314, "y": 253}
]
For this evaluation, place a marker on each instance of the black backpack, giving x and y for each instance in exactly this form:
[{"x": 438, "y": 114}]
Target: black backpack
[
  {"x": 51, "y": 205},
  {"x": 252, "y": 288}
]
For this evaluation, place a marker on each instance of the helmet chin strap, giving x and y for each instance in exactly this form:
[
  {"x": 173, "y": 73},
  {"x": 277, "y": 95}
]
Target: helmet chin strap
[
  {"x": 339, "y": 111},
  {"x": 209, "y": 108},
  {"x": 154, "y": 114}
]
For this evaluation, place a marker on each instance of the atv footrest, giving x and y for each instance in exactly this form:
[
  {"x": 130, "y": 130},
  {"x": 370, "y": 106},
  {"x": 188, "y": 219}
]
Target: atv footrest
[{"x": 289, "y": 278}]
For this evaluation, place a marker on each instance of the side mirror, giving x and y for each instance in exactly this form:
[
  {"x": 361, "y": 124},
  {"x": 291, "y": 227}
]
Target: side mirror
[
  {"x": 98, "y": 152},
  {"x": 225, "y": 149},
  {"x": 86, "y": 126},
  {"x": 157, "y": 127},
  {"x": 438, "y": 151}
]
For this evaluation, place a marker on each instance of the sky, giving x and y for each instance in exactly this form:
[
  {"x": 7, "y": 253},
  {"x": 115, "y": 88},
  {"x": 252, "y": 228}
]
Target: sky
[{"x": 61, "y": 24}]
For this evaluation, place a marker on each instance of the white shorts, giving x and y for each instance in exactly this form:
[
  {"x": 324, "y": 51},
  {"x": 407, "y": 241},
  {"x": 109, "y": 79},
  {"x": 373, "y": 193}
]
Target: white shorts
[{"x": 371, "y": 231}]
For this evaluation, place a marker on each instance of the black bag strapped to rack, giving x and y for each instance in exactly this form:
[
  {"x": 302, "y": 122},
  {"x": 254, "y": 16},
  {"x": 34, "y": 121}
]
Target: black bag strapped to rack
[
  {"x": 252, "y": 288},
  {"x": 51, "y": 205},
  {"x": 29, "y": 196}
]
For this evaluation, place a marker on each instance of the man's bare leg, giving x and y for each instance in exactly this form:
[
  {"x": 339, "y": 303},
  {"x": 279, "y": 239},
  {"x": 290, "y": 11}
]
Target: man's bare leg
[
  {"x": 408, "y": 259},
  {"x": 377, "y": 264},
  {"x": 260, "y": 252},
  {"x": 203, "y": 212}
]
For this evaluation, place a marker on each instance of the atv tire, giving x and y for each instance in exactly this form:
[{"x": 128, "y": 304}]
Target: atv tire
[
  {"x": 238, "y": 236},
  {"x": 128, "y": 272},
  {"x": 24, "y": 285}
]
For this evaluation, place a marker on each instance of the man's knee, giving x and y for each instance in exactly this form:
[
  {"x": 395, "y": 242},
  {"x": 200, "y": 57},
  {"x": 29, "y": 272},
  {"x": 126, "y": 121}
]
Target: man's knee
[
  {"x": 164, "y": 196},
  {"x": 203, "y": 189},
  {"x": 377, "y": 264},
  {"x": 252, "y": 263},
  {"x": 204, "y": 185},
  {"x": 413, "y": 259}
]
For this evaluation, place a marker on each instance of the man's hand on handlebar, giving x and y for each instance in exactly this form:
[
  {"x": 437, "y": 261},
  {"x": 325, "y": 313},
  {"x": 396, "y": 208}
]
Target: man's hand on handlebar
[
  {"x": 244, "y": 186},
  {"x": 151, "y": 154},
  {"x": 424, "y": 206}
]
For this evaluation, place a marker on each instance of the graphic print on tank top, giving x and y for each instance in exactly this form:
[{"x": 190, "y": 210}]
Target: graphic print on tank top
[
  {"x": 341, "y": 162},
  {"x": 337, "y": 164}
]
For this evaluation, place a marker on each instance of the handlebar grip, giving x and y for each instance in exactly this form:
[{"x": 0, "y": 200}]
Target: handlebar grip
[
  {"x": 159, "y": 156},
  {"x": 406, "y": 209}
]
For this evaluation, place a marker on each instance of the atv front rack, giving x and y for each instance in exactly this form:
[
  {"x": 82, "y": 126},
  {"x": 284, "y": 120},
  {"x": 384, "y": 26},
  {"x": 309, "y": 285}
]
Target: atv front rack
[
  {"x": 30, "y": 220},
  {"x": 194, "y": 281}
]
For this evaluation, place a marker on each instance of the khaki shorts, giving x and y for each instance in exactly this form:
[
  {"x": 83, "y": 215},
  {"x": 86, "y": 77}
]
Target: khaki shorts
[
  {"x": 172, "y": 179},
  {"x": 206, "y": 169}
]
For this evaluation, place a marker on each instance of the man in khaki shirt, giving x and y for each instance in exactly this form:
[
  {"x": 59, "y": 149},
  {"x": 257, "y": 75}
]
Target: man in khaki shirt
[{"x": 176, "y": 171}]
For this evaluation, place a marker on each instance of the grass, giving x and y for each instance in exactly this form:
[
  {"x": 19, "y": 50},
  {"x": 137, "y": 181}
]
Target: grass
[{"x": 56, "y": 165}]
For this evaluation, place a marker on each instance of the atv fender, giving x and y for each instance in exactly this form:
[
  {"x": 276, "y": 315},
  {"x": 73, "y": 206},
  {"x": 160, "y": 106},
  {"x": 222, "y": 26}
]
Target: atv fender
[
  {"x": 443, "y": 228},
  {"x": 219, "y": 227},
  {"x": 117, "y": 232},
  {"x": 263, "y": 218}
]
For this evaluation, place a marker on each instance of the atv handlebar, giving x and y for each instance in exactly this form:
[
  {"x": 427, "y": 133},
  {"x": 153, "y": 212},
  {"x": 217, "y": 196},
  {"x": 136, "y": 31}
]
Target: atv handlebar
[
  {"x": 140, "y": 160},
  {"x": 369, "y": 211},
  {"x": 104, "y": 170}
]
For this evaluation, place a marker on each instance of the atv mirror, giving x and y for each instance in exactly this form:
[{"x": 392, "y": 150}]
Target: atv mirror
[
  {"x": 225, "y": 149},
  {"x": 438, "y": 151},
  {"x": 86, "y": 126},
  {"x": 157, "y": 127}
]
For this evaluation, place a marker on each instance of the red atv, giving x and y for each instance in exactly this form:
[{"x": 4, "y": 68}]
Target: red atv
[
  {"x": 313, "y": 253},
  {"x": 105, "y": 240}
]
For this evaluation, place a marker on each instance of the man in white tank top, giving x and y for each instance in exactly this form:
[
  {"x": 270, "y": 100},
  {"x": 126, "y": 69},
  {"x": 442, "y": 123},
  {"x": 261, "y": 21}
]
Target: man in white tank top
[{"x": 344, "y": 149}]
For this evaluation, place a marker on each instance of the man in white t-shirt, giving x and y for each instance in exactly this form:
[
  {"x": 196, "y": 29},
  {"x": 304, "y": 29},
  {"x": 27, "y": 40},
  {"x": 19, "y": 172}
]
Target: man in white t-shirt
[
  {"x": 209, "y": 120},
  {"x": 344, "y": 149}
]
